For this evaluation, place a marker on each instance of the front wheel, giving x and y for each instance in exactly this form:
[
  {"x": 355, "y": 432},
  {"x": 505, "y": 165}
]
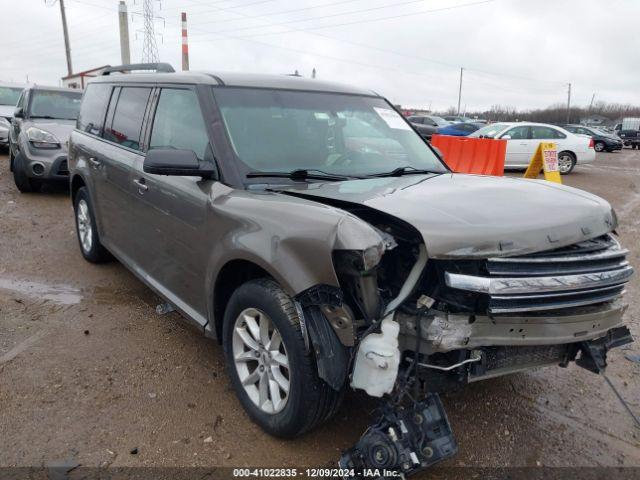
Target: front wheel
[
  {"x": 87, "y": 232},
  {"x": 272, "y": 371},
  {"x": 566, "y": 162},
  {"x": 20, "y": 178}
]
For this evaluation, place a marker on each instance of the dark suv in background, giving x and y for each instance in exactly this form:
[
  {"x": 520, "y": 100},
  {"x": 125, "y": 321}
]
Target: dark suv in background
[
  {"x": 42, "y": 122},
  {"x": 322, "y": 241}
]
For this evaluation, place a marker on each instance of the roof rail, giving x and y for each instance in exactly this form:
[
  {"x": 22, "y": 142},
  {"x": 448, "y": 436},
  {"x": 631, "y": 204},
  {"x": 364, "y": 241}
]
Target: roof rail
[{"x": 158, "y": 67}]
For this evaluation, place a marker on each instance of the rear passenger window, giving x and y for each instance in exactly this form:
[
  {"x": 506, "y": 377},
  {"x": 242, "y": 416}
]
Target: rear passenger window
[
  {"x": 93, "y": 108},
  {"x": 178, "y": 122},
  {"x": 127, "y": 119}
]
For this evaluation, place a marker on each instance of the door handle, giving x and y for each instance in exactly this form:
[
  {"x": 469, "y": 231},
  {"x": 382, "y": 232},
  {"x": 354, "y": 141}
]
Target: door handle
[
  {"x": 95, "y": 162},
  {"x": 142, "y": 186}
]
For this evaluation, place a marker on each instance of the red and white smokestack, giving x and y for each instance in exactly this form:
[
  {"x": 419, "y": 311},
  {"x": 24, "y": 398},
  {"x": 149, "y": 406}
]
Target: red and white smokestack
[{"x": 185, "y": 43}]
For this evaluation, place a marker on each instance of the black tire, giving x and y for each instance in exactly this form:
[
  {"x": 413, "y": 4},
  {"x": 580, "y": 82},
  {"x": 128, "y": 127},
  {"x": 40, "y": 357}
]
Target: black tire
[
  {"x": 24, "y": 183},
  {"x": 599, "y": 147},
  {"x": 573, "y": 162},
  {"x": 11, "y": 157},
  {"x": 95, "y": 253},
  {"x": 310, "y": 400}
]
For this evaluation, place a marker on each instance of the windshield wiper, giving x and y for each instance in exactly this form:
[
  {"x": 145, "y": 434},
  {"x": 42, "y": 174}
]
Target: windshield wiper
[
  {"x": 47, "y": 117},
  {"x": 406, "y": 170},
  {"x": 301, "y": 174}
]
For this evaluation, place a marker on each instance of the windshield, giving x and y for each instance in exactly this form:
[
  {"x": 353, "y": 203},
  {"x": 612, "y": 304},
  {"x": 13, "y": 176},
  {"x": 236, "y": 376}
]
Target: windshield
[
  {"x": 55, "y": 104},
  {"x": 348, "y": 135},
  {"x": 9, "y": 95},
  {"x": 490, "y": 131}
]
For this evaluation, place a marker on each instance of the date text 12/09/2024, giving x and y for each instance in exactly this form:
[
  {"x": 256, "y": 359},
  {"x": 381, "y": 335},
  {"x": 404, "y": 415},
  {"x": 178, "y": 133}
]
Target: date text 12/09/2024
[{"x": 314, "y": 473}]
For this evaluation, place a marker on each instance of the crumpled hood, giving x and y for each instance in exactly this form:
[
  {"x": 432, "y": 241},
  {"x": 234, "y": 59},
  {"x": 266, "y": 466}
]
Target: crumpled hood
[{"x": 473, "y": 216}]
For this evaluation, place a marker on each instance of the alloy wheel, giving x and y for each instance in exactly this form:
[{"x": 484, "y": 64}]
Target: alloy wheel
[
  {"x": 84, "y": 225},
  {"x": 261, "y": 360},
  {"x": 599, "y": 147},
  {"x": 565, "y": 163}
]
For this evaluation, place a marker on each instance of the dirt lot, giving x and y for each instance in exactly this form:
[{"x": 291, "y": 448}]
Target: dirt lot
[{"x": 90, "y": 372}]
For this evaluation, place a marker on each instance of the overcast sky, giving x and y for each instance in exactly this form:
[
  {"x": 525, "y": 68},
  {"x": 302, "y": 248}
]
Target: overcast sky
[{"x": 520, "y": 53}]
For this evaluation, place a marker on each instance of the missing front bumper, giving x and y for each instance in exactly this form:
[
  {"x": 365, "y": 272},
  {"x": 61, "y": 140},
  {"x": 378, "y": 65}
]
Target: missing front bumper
[{"x": 442, "y": 332}]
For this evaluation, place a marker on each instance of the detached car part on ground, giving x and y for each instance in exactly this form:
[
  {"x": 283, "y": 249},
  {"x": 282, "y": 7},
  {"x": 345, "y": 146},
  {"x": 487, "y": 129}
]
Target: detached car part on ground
[
  {"x": 366, "y": 263},
  {"x": 40, "y": 127}
]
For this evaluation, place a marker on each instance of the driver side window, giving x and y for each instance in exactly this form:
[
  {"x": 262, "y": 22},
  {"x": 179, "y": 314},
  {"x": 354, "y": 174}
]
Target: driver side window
[
  {"x": 178, "y": 122},
  {"x": 518, "y": 133}
]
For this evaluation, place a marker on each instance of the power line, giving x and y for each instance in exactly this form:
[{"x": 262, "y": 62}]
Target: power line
[
  {"x": 273, "y": 14},
  {"x": 182, "y": 7},
  {"x": 306, "y": 52},
  {"x": 308, "y": 19},
  {"x": 392, "y": 52}
]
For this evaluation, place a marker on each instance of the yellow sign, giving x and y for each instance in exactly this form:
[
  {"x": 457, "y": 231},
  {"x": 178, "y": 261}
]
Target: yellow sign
[{"x": 545, "y": 159}]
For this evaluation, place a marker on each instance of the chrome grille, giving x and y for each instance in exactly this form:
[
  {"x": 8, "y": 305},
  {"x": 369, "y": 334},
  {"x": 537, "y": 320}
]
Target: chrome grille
[{"x": 586, "y": 273}]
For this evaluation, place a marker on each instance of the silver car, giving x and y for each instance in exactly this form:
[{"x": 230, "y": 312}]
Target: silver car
[
  {"x": 309, "y": 228},
  {"x": 9, "y": 95},
  {"x": 40, "y": 127}
]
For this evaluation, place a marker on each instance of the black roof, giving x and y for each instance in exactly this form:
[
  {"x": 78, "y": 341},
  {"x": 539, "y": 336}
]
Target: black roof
[{"x": 231, "y": 79}]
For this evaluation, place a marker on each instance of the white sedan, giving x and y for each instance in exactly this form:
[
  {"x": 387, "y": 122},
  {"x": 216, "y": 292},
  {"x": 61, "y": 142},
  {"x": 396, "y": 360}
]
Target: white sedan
[{"x": 523, "y": 139}]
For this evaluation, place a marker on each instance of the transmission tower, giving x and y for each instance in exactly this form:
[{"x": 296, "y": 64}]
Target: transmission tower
[{"x": 149, "y": 45}]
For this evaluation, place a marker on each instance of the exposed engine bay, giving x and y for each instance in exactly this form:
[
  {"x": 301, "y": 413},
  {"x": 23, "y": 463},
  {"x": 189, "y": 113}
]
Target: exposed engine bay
[{"x": 407, "y": 327}]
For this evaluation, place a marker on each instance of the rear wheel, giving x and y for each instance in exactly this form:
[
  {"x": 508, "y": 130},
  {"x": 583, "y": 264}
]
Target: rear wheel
[
  {"x": 599, "y": 147},
  {"x": 22, "y": 181},
  {"x": 90, "y": 246},
  {"x": 566, "y": 162},
  {"x": 272, "y": 371}
]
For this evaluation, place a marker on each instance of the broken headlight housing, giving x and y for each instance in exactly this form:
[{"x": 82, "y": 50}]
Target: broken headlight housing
[
  {"x": 42, "y": 139},
  {"x": 358, "y": 260}
]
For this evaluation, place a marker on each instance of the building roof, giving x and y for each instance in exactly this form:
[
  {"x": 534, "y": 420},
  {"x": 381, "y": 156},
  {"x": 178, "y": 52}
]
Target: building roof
[{"x": 231, "y": 79}]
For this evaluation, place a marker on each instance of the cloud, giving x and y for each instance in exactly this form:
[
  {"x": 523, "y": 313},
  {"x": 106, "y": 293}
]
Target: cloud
[{"x": 520, "y": 53}]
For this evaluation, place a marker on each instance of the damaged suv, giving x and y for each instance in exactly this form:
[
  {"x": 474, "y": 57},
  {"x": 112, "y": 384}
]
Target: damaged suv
[{"x": 308, "y": 228}]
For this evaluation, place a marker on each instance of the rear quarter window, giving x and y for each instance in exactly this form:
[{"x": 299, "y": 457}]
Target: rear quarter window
[
  {"x": 126, "y": 126},
  {"x": 93, "y": 108}
]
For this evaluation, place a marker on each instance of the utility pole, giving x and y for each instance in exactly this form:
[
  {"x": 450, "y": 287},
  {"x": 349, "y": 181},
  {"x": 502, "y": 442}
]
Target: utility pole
[
  {"x": 185, "y": 43},
  {"x": 569, "y": 103},
  {"x": 460, "y": 90},
  {"x": 123, "y": 19},
  {"x": 67, "y": 48},
  {"x": 593, "y": 97}
]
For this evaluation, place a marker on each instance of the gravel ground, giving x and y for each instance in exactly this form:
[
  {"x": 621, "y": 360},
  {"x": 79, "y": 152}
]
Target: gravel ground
[{"x": 89, "y": 372}]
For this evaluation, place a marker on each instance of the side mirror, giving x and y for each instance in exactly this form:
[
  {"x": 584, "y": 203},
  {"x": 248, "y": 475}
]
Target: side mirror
[
  {"x": 18, "y": 112},
  {"x": 506, "y": 137},
  {"x": 168, "y": 161}
]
